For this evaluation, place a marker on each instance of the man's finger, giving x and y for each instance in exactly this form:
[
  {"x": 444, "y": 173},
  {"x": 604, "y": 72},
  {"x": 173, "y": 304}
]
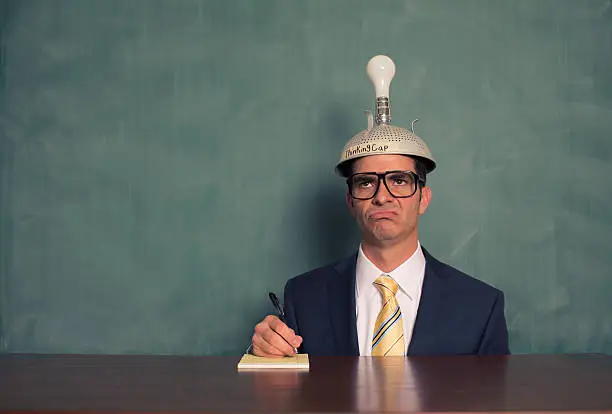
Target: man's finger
[
  {"x": 284, "y": 331},
  {"x": 269, "y": 342},
  {"x": 261, "y": 347},
  {"x": 275, "y": 340},
  {"x": 266, "y": 350}
]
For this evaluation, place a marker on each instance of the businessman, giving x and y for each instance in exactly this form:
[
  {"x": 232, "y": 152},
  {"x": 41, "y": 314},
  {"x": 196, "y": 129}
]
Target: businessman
[{"x": 391, "y": 297}]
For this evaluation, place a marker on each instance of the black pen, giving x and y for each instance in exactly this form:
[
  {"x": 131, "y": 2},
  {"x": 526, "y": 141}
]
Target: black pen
[
  {"x": 277, "y": 305},
  {"x": 280, "y": 311}
]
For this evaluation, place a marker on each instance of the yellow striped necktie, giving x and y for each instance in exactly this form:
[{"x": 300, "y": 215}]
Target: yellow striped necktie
[{"x": 388, "y": 338}]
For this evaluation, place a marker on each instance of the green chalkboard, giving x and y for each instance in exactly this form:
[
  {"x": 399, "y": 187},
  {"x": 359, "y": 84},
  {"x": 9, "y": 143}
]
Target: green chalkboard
[
  {"x": 3, "y": 14},
  {"x": 167, "y": 163},
  {"x": 4, "y": 155}
]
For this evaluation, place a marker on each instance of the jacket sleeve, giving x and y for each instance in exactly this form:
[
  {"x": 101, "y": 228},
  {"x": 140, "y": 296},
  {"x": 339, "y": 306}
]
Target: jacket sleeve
[{"x": 495, "y": 337}]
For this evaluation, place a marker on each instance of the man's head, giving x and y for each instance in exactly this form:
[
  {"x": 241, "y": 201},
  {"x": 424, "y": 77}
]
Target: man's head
[{"x": 390, "y": 216}]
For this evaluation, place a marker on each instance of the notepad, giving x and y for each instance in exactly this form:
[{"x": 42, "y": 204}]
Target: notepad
[{"x": 299, "y": 361}]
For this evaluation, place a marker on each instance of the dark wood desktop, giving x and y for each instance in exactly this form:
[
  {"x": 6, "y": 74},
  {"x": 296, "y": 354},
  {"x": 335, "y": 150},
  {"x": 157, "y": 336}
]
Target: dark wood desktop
[{"x": 129, "y": 384}]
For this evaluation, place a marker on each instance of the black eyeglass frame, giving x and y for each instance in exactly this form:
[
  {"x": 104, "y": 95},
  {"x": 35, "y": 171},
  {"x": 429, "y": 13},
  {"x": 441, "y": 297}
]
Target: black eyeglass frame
[{"x": 382, "y": 177}]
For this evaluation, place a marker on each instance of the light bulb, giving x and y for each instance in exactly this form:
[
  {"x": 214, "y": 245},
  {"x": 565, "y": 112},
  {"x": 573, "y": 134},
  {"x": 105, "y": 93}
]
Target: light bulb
[{"x": 381, "y": 70}]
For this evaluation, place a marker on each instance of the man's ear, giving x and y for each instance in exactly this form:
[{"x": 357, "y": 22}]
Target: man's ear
[{"x": 425, "y": 199}]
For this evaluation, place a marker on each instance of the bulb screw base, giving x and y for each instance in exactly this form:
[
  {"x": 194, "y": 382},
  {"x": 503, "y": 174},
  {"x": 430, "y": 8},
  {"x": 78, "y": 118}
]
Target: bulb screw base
[{"x": 383, "y": 110}]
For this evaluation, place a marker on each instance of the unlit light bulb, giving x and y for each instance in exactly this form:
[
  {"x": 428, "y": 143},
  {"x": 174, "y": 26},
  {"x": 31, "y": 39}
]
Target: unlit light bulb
[{"x": 381, "y": 70}]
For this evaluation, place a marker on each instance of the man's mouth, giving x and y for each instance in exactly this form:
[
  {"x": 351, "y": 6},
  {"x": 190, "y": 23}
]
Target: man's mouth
[{"x": 381, "y": 215}]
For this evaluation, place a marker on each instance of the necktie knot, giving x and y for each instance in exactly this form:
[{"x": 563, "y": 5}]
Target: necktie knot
[{"x": 386, "y": 286}]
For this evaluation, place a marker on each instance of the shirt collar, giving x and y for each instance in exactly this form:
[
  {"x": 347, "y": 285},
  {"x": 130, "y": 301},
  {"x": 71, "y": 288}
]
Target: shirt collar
[{"x": 408, "y": 275}]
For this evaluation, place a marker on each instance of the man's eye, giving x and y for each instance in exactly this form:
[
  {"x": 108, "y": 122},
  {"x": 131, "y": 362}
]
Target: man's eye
[
  {"x": 365, "y": 183},
  {"x": 400, "y": 180}
]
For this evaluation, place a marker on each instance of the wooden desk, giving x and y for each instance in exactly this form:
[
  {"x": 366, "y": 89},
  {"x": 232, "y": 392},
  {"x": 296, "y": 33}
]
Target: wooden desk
[{"x": 80, "y": 383}]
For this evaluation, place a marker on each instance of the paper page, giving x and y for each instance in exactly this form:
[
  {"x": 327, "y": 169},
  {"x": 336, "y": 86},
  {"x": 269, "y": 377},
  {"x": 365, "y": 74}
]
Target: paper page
[{"x": 299, "y": 361}]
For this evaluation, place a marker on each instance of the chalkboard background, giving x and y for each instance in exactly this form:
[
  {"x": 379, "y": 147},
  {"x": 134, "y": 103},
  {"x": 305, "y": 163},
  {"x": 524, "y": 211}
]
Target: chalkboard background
[{"x": 166, "y": 163}]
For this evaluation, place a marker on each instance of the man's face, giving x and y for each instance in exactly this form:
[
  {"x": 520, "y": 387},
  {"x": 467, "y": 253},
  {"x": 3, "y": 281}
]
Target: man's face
[{"x": 385, "y": 219}]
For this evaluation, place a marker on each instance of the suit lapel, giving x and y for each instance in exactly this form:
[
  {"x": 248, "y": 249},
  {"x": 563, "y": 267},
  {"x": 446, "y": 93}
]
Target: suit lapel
[
  {"x": 341, "y": 298},
  {"x": 431, "y": 307}
]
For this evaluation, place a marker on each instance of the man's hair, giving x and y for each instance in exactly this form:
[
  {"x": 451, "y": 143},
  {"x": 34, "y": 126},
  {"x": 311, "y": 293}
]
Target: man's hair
[{"x": 420, "y": 167}]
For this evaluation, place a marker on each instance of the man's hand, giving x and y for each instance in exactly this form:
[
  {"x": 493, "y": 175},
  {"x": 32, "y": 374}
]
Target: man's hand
[{"x": 272, "y": 338}]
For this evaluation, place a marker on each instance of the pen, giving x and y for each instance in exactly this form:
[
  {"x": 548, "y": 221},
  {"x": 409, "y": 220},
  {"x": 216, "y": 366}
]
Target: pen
[
  {"x": 280, "y": 311},
  {"x": 277, "y": 306}
]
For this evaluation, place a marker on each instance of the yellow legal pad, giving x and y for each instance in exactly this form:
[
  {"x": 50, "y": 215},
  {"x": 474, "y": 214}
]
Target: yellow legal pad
[{"x": 299, "y": 361}]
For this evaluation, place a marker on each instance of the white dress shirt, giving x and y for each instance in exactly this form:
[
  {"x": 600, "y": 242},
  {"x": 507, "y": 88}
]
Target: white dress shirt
[{"x": 409, "y": 276}]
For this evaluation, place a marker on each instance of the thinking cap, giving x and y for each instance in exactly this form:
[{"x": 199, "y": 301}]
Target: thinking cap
[{"x": 380, "y": 137}]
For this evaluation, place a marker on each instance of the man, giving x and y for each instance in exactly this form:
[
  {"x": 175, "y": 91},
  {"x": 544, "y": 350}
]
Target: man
[{"x": 392, "y": 297}]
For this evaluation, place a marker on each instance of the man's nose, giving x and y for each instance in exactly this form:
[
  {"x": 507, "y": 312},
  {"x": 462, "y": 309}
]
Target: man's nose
[{"x": 382, "y": 194}]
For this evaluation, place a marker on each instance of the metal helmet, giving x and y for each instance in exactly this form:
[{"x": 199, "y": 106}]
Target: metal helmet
[{"x": 380, "y": 137}]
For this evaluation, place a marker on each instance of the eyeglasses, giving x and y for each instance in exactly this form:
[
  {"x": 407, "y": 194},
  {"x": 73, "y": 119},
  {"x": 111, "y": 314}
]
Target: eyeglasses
[{"x": 400, "y": 184}]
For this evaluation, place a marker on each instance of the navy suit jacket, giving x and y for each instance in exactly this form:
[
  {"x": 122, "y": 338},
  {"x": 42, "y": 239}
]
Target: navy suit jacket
[{"x": 457, "y": 314}]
